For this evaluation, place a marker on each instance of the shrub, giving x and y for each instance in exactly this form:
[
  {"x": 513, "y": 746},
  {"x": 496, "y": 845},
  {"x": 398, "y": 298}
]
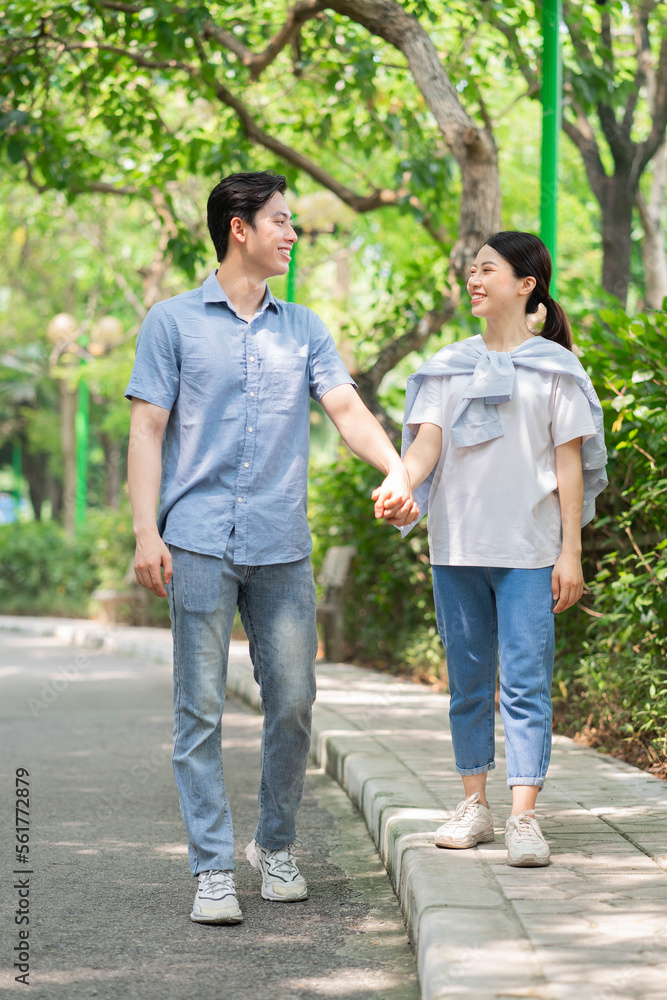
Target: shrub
[
  {"x": 44, "y": 571},
  {"x": 389, "y": 613},
  {"x": 616, "y": 692}
]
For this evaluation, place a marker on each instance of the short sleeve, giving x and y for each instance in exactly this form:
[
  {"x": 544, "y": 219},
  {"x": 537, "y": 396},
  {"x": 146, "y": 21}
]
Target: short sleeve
[
  {"x": 572, "y": 417},
  {"x": 427, "y": 407},
  {"x": 156, "y": 373},
  {"x": 326, "y": 368}
]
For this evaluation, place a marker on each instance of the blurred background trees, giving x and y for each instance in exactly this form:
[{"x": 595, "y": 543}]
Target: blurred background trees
[{"x": 407, "y": 130}]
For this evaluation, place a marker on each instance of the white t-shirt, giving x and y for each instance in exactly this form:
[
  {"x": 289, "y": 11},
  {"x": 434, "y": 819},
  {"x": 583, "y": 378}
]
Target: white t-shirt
[{"x": 495, "y": 504}]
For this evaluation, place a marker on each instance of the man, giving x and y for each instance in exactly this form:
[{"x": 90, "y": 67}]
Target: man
[{"x": 220, "y": 417}]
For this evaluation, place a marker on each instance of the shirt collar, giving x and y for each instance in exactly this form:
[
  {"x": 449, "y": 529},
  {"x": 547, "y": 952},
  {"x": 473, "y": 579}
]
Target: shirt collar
[{"x": 214, "y": 292}]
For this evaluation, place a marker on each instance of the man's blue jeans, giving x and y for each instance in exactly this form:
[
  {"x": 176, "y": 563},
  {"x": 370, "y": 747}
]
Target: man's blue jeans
[
  {"x": 483, "y": 612},
  {"x": 277, "y": 607}
]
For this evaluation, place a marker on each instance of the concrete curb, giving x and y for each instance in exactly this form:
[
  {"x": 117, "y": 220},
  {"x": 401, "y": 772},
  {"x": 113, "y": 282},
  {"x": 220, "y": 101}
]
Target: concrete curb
[{"x": 459, "y": 907}]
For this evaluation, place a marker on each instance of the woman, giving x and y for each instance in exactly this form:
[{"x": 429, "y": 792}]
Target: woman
[{"x": 504, "y": 434}]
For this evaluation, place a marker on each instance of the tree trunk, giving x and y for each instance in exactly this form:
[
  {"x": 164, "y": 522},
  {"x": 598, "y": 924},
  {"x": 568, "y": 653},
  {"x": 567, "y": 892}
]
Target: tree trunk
[
  {"x": 473, "y": 148},
  {"x": 112, "y": 482},
  {"x": 617, "y": 205},
  {"x": 34, "y": 470},
  {"x": 653, "y": 245}
]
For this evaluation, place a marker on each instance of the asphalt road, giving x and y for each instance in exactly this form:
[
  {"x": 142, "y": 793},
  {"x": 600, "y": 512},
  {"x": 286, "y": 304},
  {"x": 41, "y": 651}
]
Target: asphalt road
[{"x": 109, "y": 889}]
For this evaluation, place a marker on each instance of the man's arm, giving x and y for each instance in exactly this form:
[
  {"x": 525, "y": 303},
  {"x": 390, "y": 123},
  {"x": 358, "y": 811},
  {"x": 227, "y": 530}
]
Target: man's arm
[
  {"x": 567, "y": 579},
  {"x": 363, "y": 434},
  {"x": 144, "y": 470}
]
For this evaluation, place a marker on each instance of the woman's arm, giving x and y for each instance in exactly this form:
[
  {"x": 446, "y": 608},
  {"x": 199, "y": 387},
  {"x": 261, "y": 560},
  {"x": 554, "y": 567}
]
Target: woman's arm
[
  {"x": 567, "y": 579},
  {"x": 419, "y": 460}
]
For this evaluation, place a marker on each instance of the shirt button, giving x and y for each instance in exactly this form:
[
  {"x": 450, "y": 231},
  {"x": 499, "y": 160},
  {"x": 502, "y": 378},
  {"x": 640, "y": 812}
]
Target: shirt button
[
  {"x": 585, "y": 503},
  {"x": 250, "y": 430},
  {"x": 245, "y": 465},
  {"x": 240, "y": 499},
  {"x": 586, "y": 466},
  {"x": 252, "y": 394},
  {"x": 251, "y": 359}
]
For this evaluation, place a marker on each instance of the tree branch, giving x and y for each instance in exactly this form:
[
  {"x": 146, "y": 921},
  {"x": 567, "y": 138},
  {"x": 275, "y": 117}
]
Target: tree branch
[
  {"x": 368, "y": 381},
  {"x": 257, "y": 62},
  {"x": 583, "y": 137},
  {"x": 523, "y": 62},
  {"x": 648, "y": 148}
]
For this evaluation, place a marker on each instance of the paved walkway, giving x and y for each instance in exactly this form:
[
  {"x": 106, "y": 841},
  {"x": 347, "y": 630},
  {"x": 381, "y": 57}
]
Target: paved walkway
[{"x": 592, "y": 926}]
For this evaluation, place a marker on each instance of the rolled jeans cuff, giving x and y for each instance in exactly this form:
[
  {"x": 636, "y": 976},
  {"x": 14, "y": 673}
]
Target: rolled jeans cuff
[
  {"x": 476, "y": 770},
  {"x": 526, "y": 781}
]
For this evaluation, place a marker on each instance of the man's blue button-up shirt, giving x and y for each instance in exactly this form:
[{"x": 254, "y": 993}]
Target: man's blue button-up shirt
[{"x": 235, "y": 450}]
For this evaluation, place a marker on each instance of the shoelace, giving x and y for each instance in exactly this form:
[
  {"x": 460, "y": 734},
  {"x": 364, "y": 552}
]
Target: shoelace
[
  {"x": 523, "y": 824},
  {"x": 465, "y": 806},
  {"x": 217, "y": 879},
  {"x": 282, "y": 862}
]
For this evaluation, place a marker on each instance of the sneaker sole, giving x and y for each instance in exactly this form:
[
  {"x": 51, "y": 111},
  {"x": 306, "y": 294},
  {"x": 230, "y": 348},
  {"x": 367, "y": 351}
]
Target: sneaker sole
[
  {"x": 267, "y": 894},
  {"x": 485, "y": 838},
  {"x": 529, "y": 861},
  {"x": 201, "y": 919}
]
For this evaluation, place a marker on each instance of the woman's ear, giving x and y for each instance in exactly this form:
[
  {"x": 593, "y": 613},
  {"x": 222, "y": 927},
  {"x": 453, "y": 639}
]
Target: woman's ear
[{"x": 527, "y": 285}]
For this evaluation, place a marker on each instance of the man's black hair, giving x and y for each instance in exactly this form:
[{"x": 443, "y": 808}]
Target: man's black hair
[{"x": 239, "y": 195}]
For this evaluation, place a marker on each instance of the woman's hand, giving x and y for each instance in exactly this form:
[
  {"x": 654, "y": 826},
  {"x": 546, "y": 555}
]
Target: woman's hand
[{"x": 567, "y": 581}]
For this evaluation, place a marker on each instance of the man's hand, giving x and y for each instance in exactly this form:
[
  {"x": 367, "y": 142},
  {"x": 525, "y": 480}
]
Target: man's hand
[
  {"x": 567, "y": 581},
  {"x": 393, "y": 498},
  {"x": 151, "y": 557}
]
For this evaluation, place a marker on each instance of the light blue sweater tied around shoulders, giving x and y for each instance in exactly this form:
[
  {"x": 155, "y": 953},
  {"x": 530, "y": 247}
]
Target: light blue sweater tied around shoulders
[{"x": 476, "y": 417}]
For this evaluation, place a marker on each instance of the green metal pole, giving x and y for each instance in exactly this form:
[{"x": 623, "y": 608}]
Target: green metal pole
[
  {"x": 17, "y": 470},
  {"x": 81, "y": 426},
  {"x": 552, "y": 101},
  {"x": 291, "y": 275}
]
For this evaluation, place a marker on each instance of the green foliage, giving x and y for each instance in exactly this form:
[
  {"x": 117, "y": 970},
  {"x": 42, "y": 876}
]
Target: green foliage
[
  {"x": 45, "y": 572},
  {"x": 617, "y": 691},
  {"x": 389, "y": 613}
]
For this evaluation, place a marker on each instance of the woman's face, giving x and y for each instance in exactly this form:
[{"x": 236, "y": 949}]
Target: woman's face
[{"x": 493, "y": 287}]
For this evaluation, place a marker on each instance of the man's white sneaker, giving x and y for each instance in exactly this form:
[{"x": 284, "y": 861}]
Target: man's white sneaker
[
  {"x": 526, "y": 846},
  {"x": 281, "y": 879},
  {"x": 471, "y": 824},
  {"x": 216, "y": 902}
]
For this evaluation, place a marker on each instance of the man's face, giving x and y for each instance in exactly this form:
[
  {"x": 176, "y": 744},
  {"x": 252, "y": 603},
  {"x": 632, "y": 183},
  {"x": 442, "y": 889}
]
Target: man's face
[{"x": 268, "y": 244}]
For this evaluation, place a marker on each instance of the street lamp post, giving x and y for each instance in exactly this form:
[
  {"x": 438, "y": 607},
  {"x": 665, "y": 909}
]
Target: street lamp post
[
  {"x": 552, "y": 100},
  {"x": 81, "y": 434}
]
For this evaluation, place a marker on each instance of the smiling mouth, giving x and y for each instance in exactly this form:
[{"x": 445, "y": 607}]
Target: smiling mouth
[
  {"x": 477, "y": 298},
  {"x": 286, "y": 253}
]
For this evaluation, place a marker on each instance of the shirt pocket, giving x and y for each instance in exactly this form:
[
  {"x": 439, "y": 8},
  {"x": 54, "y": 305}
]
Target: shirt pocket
[{"x": 286, "y": 382}]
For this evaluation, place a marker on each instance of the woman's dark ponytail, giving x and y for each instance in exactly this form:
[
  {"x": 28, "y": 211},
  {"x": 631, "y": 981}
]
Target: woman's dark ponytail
[
  {"x": 556, "y": 325},
  {"x": 528, "y": 257}
]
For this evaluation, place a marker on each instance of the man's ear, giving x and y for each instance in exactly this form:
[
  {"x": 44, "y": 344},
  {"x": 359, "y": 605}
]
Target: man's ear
[{"x": 237, "y": 228}]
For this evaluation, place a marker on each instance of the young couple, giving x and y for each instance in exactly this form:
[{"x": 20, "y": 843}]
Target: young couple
[{"x": 220, "y": 396}]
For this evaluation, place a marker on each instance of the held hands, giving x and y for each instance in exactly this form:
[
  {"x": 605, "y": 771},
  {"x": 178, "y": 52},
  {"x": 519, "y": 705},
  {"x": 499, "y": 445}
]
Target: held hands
[
  {"x": 393, "y": 499},
  {"x": 151, "y": 556},
  {"x": 567, "y": 581}
]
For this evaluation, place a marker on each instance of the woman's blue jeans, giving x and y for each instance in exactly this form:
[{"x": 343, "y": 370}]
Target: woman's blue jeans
[
  {"x": 489, "y": 616},
  {"x": 277, "y": 607}
]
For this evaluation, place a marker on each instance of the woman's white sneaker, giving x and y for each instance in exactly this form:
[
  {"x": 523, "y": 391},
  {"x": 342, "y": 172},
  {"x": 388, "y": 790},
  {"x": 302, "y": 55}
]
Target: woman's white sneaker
[
  {"x": 216, "y": 902},
  {"x": 281, "y": 879},
  {"x": 471, "y": 824},
  {"x": 526, "y": 846}
]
